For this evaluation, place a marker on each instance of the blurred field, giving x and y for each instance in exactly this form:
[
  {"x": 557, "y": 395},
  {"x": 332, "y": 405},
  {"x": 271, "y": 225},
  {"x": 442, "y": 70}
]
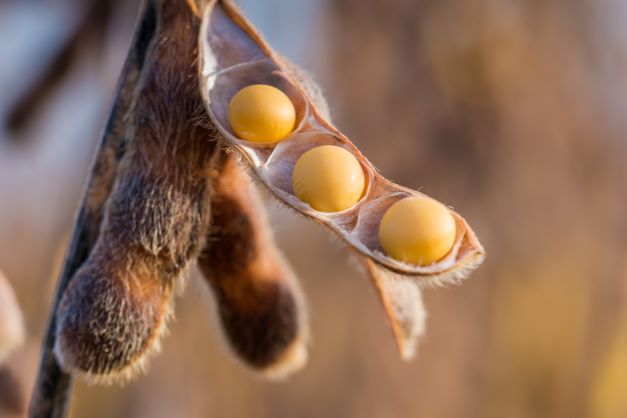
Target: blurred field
[{"x": 514, "y": 113}]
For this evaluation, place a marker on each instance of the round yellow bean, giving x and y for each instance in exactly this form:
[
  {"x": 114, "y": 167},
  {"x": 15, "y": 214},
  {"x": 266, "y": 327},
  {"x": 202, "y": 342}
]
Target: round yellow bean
[
  {"x": 262, "y": 114},
  {"x": 329, "y": 178},
  {"x": 417, "y": 230}
]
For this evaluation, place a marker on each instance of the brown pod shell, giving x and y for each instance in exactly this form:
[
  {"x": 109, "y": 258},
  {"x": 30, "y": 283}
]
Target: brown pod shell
[
  {"x": 115, "y": 309},
  {"x": 111, "y": 320},
  {"x": 402, "y": 301},
  {"x": 234, "y": 55},
  {"x": 259, "y": 301}
]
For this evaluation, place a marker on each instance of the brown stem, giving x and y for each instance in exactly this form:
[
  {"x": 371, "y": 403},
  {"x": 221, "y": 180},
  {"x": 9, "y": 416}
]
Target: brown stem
[
  {"x": 91, "y": 23},
  {"x": 53, "y": 386}
]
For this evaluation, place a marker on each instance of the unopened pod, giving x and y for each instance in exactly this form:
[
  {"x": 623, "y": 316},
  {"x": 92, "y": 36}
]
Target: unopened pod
[{"x": 233, "y": 57}]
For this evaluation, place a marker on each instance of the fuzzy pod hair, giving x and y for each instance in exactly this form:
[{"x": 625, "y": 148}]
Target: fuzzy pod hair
[
  {"x": 259, "y": 302},
  {"x": 11, "y": 322},
  {"x": 115, "y": 309}
]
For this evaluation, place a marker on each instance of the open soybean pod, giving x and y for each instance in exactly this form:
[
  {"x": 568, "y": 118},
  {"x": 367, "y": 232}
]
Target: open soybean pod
[{"x": 233, "y": 56}]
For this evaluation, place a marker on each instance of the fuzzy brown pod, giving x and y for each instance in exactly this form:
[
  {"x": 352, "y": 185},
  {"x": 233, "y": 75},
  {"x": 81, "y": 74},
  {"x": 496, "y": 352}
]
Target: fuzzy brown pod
[
  {"x": 11, "y": 323},
  {"x": 161, "y": 197},
  {"x": 115, "y": 309},
  {"x": 260, "y": 304},
  {"x": 234, "y": 55}
]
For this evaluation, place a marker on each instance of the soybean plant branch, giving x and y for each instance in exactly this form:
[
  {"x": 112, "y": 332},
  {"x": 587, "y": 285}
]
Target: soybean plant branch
[{"x": 53, "y": 386}]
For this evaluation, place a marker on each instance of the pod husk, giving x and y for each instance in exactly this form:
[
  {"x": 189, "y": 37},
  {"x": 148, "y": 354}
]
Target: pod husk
[{"x": 234, "y": 54}]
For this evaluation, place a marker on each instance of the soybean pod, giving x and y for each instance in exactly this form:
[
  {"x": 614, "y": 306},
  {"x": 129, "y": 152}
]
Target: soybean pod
[{"x": 317, "y": 170}]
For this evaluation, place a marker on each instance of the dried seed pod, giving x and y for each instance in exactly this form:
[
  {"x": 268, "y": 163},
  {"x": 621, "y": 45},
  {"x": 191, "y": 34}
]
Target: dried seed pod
[
  {"x": 11, "y": 323},
  {"x": 260, "y": 303},
  {"x": 402, "y": 301},
  {"x": 114, "y": 310},
  {"x": 51, "y": 392},
  {"x": 234, "y": 55}
]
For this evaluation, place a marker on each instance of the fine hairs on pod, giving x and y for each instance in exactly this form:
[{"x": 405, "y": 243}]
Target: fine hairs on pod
[
  {"x": 114, "y": 311},
  {"x": 259, "y": 302}
]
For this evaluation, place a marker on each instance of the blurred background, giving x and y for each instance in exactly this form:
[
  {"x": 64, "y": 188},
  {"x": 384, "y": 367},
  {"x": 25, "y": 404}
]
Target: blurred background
[{"x": 513, "y": 112}]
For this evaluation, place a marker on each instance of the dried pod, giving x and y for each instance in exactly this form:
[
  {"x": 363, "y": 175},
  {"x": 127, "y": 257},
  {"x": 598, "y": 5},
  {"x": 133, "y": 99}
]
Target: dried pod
[
  {"x": 260, "y": 303},
  {"x": 11, "y": 323},
  {"x": 114, "y": 310},
  {"x": 233, "y": 56},
  {"x": 402, "y": 301}
]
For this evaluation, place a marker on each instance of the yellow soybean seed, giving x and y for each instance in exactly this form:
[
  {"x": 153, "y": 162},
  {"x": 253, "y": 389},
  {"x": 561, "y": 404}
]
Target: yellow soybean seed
[
  {"x": 417, "y": 230},
  {"x": 329, "y": 178},
  {"x": 261, "y": 113}
]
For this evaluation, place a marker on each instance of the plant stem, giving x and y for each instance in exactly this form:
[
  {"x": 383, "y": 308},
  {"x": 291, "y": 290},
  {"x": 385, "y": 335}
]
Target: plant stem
[{"x": 53, "y": 386}]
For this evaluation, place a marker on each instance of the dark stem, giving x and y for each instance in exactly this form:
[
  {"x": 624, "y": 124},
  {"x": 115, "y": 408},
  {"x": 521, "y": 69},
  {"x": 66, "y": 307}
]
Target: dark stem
[
  {"x": 53, "y": 386},
  {"x": 92, "y": 25}
]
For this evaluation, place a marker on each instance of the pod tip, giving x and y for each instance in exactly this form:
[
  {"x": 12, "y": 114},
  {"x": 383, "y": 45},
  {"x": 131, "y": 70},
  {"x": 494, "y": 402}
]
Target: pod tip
[{"x": 293, "y": 360}]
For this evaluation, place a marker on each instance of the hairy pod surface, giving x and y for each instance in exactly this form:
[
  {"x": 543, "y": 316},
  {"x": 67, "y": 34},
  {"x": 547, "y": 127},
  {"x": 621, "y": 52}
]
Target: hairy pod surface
[
  {"x": 114, "y": 310},
  {"x": 260, "y": 303},
  {"x": 234, "y": 55}
]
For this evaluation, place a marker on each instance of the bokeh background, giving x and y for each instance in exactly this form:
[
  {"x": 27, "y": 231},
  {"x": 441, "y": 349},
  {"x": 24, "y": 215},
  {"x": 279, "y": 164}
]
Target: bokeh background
[{"x": 513, "y": 112}]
